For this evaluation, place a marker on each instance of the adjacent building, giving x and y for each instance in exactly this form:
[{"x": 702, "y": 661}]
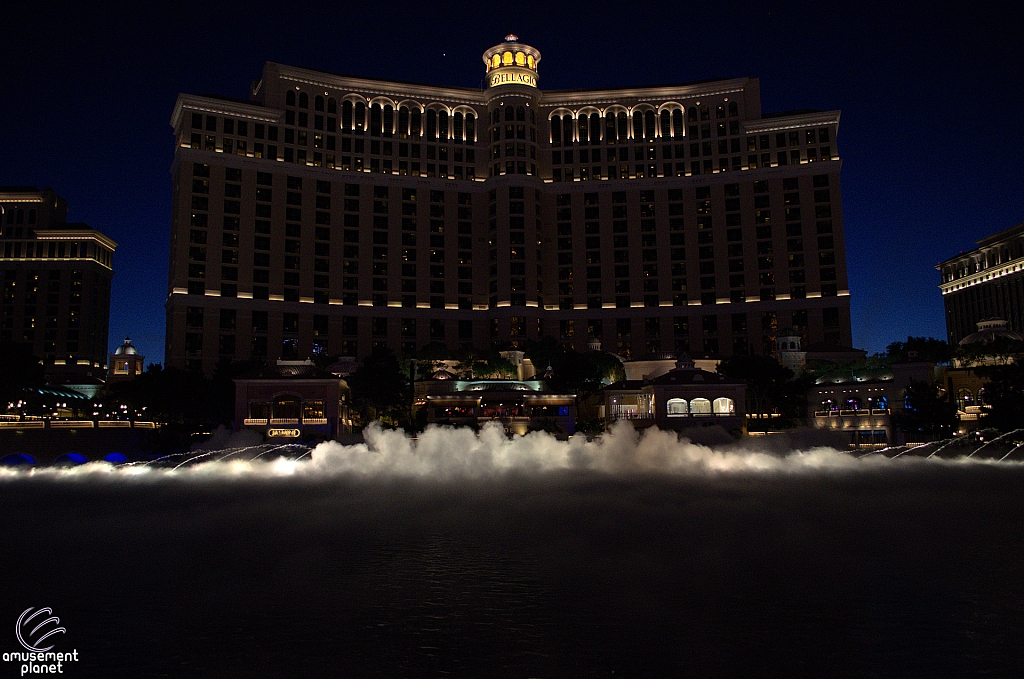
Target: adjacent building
[
  {"x": 55, "y": 281},
  {"x": 682, "y": 398},
  {"x": 332, "y": 214},
  {"x": 519, "y": 406},
  {"x": 985, "y": 283},
  {"x": 126, "y": 363},
  {"x": 292, "y": 400}
]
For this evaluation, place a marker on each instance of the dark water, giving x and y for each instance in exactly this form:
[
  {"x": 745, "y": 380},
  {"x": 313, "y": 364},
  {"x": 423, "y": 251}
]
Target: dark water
[{"x": 910, "y": 570}]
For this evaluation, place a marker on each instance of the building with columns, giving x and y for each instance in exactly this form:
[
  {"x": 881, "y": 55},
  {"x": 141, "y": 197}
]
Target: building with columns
[
  {"x": 984, "y": 284},
  {"x": 331, "y": 214}
]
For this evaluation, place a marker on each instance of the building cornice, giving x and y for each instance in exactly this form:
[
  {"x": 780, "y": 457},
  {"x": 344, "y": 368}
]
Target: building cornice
[
  {"x": 387, "y": 88},
  {"x": 642, "y": 94},
  {"x": 222, "y": 107},
  {"x": 791, "y": 122},
  {"x": 21, "y": 197},
  {"x": 76, "y": 234},
  {"x": 1013, "y": 267}
]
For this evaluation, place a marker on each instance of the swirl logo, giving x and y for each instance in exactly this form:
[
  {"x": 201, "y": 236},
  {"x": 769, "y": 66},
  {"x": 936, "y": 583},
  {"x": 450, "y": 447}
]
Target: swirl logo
[{"x": 41, "y": 629}]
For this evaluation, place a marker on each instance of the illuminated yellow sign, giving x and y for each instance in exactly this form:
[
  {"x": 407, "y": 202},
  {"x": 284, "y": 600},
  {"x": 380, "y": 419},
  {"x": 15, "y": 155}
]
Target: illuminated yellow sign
[
  {"x": 512, "y": 76},
  {"x": 284, "y": 433}
]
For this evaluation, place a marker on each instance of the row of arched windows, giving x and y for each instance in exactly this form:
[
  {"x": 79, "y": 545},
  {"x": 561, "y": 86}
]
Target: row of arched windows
[
  {"x": 411, "y": 123},
  {"x": 301, "y": 99},
  {"x": 617, "y": 127},
  {"x": 699, "y": 407},
  {"x": 620, "y": 126}
]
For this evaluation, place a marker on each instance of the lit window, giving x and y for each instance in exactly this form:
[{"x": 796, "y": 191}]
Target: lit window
[
  {"x": 700, "y": 407},
  {"x": 676, "y": 407}
]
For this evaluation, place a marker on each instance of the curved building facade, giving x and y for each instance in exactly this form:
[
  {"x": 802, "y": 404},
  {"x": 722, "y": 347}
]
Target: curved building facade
[{"x": 331, "y": 214}]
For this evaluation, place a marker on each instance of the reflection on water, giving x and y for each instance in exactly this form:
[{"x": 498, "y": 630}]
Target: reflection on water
[{"x": 468, "y": 556}]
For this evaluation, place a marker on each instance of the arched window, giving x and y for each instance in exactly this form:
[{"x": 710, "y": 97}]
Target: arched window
[
  {"x": 677, "y": 122},
  {"x": 964, "y": 398},
  {"x": 403, "y": 122},
  {"x": 556, "y": 131},
  {"x": 303, "y": 100},
  {"x": 720, "y": 111},
  {"x": 289, "y": 98},
  {"x": 521, "y": 113},
  {"x": 666, "y": 124},
  {"x": 416, "y": 124},
  {"x": 567, "y": 135},
  {"x": 286, "y": 407},
  {"x": 389, "y": 120},
  {"x": 332, "y": 106},
  {"x": 360, "y": 116},
  {"x": 852, "y": 403},
  {"x": 609, "y": 128},
  {"x": 623, "y": 125},
  {"x": 442, "y": 125},
  {"x": 882, "y": 402},
  {"x": 700, "y": 407},
  {"x": 318, "y": 103},
  {"x": 691, "y": 114},
  {"x": 457, "y": 126},
  {"x": 470, "y": 128},
  {"x": 649, "y": 125},
  {"x": 724, "y": 406},
  {"x": 431, "y": 125},
  {"x": 584, "y": 130},
  {"x": 734, "y": 109},
  {"x": 346, "y": 116},
  {"x": 510, "y": 113},
  {"x": 375, "y": 122},
  {"x": 676, "y": 407},
  {"x": 595, "y": 128},
  {"x": 638, "y": 125}
]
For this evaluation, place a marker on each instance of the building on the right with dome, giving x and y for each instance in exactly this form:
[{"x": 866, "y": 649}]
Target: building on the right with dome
[{"x": 983, "y": 284}]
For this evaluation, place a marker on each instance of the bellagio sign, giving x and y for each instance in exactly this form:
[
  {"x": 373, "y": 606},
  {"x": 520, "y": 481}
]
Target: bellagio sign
[{"x": 512, "y": 76}]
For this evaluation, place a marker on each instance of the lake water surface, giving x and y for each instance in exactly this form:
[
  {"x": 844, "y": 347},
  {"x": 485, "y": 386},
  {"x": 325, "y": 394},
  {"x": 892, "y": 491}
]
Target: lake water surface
[{"x": 471, "y": 556}]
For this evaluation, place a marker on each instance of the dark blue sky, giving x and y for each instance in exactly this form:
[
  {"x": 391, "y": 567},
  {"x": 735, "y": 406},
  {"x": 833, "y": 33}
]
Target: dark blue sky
[{"x": 931, "y": 135}]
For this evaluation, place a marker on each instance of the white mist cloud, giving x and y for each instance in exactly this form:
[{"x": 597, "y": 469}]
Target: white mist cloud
[{"x": 448, "y": 453}]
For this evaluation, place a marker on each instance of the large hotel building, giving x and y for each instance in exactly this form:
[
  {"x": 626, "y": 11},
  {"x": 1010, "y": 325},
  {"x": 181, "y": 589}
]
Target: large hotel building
[
  {"x": 332, "y": 214},
  {"x": 54, "y": 284},
  {"x": 985, "y": 284}
]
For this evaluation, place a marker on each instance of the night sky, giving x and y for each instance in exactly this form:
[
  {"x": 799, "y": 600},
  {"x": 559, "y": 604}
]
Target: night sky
[{"x": 931, "y": 134}]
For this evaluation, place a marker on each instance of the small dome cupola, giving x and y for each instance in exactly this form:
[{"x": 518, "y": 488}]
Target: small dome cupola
[
  {"x": 126, "y": 349},
  {"x": 511, "y": 63}
]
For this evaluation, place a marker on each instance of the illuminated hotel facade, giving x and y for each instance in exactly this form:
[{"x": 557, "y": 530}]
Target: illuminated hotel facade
[
  {"x": 55, "y": 284},
  {"x": 332, "y": 214},
  {"x": 984, "y": 284}
]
